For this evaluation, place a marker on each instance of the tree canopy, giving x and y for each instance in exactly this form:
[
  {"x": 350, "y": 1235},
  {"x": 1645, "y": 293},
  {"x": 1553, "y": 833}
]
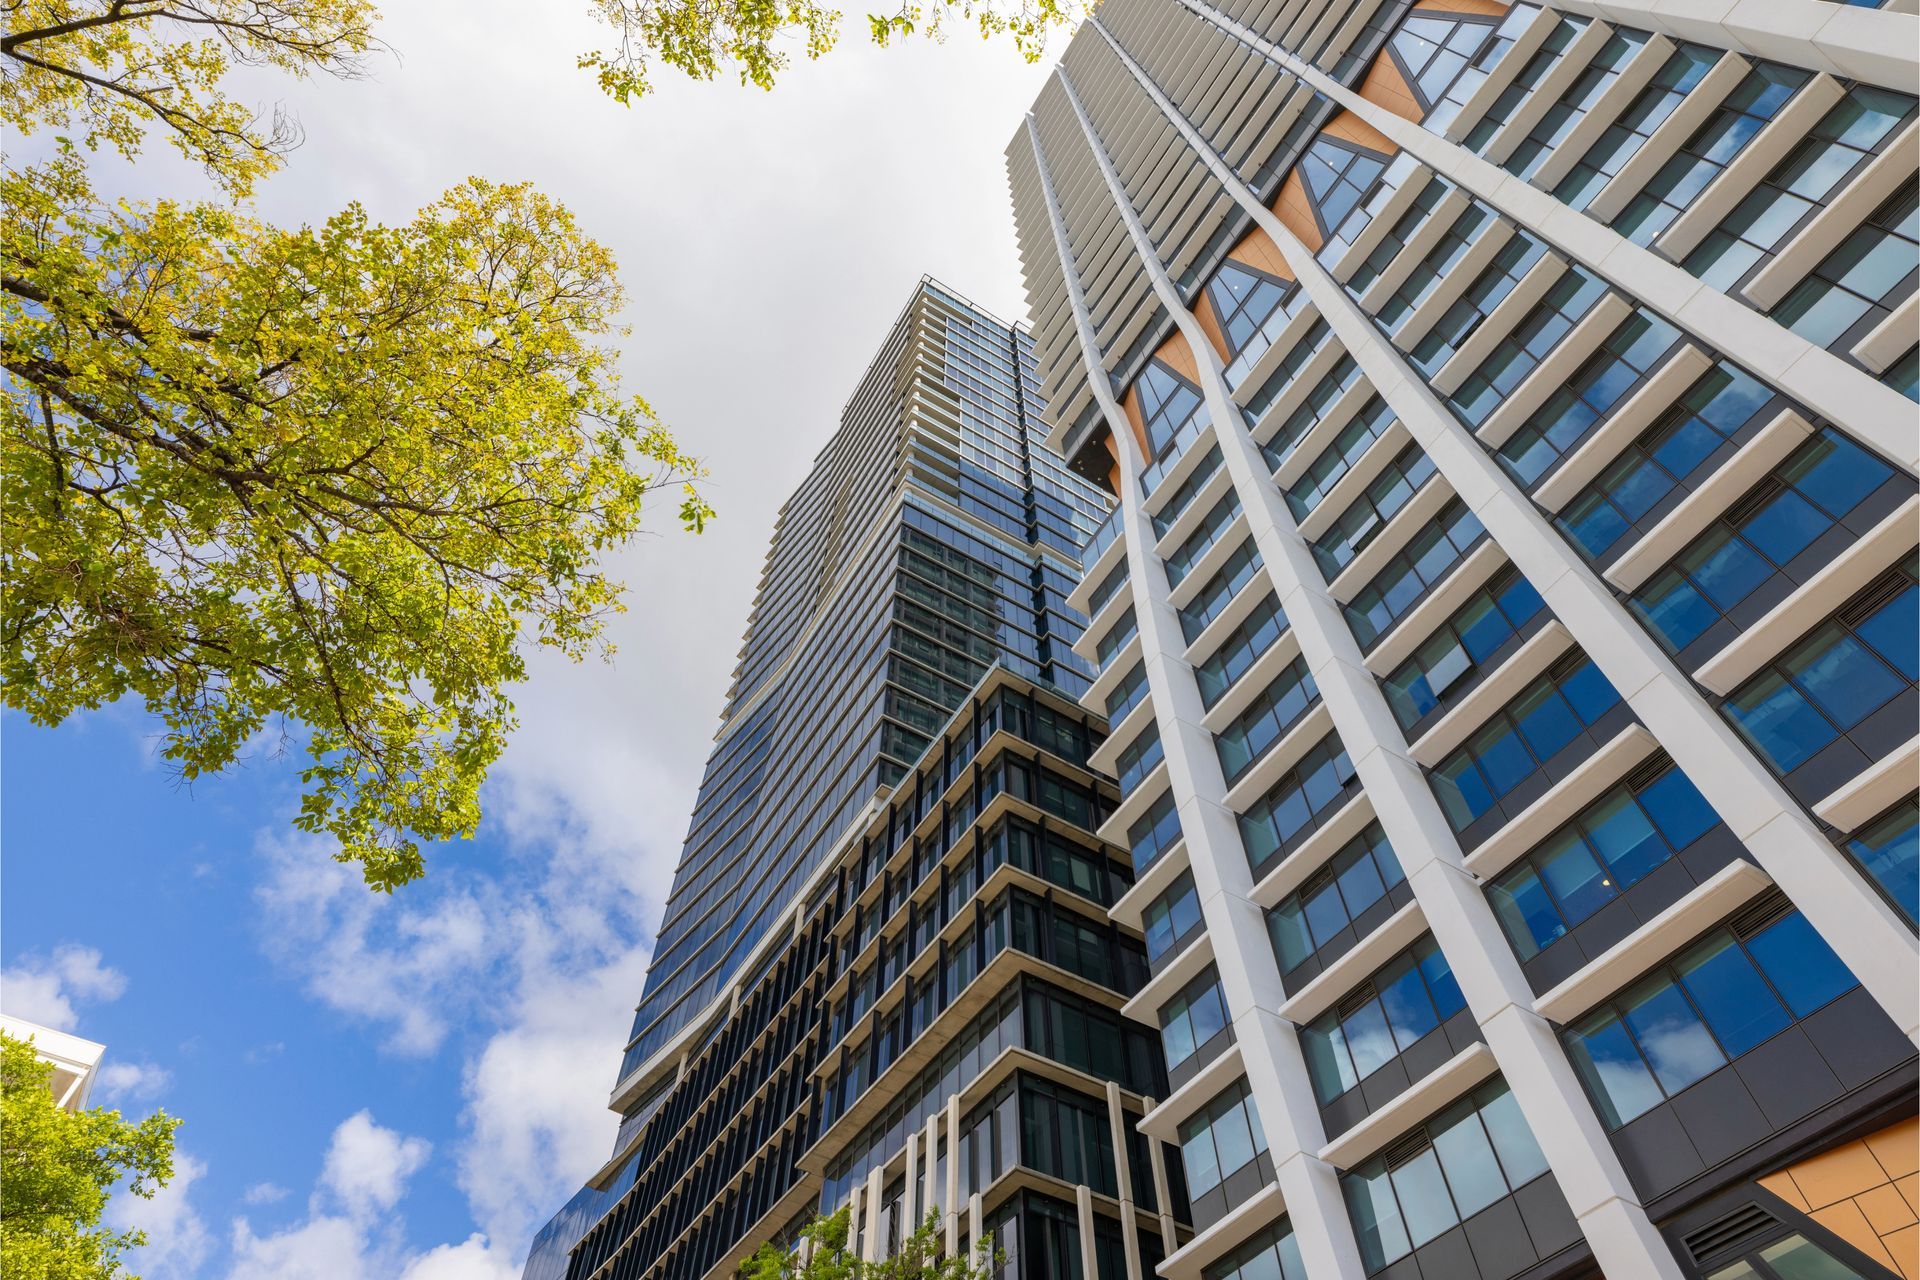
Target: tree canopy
[
  {"x": 57, "y": 1169},
  {"x": 823, "y": 1253},
  {"x": 313, "y": 486}
]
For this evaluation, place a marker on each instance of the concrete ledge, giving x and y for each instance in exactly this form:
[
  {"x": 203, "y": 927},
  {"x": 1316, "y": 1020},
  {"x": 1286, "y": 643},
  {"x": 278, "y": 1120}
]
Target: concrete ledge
[
  {"x": 1606, "y": 110},
  {"x": 1283, "y": 345},
  {"x": 1766, "y": 149},
  {"x": 1321, "y": 434},
  {"x": 1163, "y": 1121},
  {"x": 1399, "y": 932},
  {"x": 1431, "y": 1092},
  {"x": 1420, "y": 510},
  {"x": 1614, "y": 969},
  {"x": 1851, "y": 206},
  {"x": 1486, "y": 246},
  {"x": 1525, "y": 45},
  {"x": 1257, "y": 1211},
  {"x": 1891, "y": 778},
  {"x": 1552, "y": 373},
  {"x": 1314, "y": 725},
  {"x": 1252, "y": 682},
  {"x": 1565, "y": 798},
  {"x": 1412, "y": 631},
  {"x": 1313, "y": 852},
  {"x": 1814, "y": 601},
  {"x": 1495, "y": 691},
  {"x": 1500, "y": 322},
  {"x": 1380, "y": 451},
  {"x": 1604, "y": 443},
  {"x": 1891, "y": 338},
  {"x": 1660, "y": 147},
  {"x": 1699, "y": 509}
]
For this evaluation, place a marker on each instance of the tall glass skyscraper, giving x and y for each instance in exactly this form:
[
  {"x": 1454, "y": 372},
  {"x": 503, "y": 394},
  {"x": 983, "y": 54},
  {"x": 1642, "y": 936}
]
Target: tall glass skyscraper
[
  {"x": 895, "y": 852},
  {"x": 933, "y": 538}
]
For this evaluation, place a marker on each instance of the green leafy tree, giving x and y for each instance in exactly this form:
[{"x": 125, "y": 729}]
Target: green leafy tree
[
  {"x": 823, "y": 1254},
  {"x": 56, "y": 1170},
  {"x": 751, "y": 37},
  {"x": 318, "y": 486}
]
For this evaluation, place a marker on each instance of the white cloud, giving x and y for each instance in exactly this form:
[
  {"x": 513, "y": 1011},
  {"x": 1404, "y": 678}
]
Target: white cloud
[
  {"x": 132, "y": 1081},
  {"x": 472, "y": 1259},
  {"x": 264, "y": 1193},
  {"x": 325, "y": 1247},
  {"x": 45, "y": 989},
  {"x": 367, "y": 1167},
  {"x": 178, "y": 1241}
]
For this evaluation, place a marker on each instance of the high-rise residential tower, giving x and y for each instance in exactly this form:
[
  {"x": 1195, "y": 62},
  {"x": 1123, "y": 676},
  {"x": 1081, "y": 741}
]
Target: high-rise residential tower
[
  {"x": 886, "y": 980},
  {"x": 1511, "y": 414}
]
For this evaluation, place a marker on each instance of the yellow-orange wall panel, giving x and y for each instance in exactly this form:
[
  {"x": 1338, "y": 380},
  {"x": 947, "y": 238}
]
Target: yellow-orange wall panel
[
  {"x": 1349, "y": 127},
  {"x": 1209, "y": 322},
  {"x": 1295, "y": 213},
  {"x": 1489, "y": 8},
  {"x": 1131, "y": 403},
  {"x": 1258, "y": 251},
  {"x": 1178, "y": 356},
  {"x": 1861, "y": 1191},
  {"x": 1386, "y": 86}
]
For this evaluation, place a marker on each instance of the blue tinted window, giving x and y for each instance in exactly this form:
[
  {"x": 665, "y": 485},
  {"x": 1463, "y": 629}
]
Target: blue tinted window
[
  {"x": 1729, "y": 992},
  {"x": 1888, "y": 849},
  {"x": 1803, "y": 967}
]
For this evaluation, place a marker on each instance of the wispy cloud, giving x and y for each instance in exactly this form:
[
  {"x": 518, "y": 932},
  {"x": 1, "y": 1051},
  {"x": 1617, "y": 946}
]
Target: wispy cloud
[
  {"x": 45, "y": 989},
  {"x": 131, "y": 1081}
]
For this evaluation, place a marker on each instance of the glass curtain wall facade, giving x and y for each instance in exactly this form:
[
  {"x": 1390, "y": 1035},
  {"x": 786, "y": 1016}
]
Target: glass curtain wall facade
[
  {"x": 931, "y": 546},
  {"x": 1507, "y": 623}
]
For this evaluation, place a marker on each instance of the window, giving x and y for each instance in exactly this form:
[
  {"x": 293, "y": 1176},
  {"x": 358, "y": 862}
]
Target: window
[
  {"x": 1173, "y": 415},
  {"x": 1221, "y": 1140},
  {"x": 1266, "y": 720},
  {"x": 1609, "y": 847},
  {"x": 1371, "y": 510},
  {"x": 1474, "y": 1153},
  {"x": 1439, "y": 260},
  {"x": 1176, "y": 503},
  {"x": 1432, "y": 554},
  {"x": 1245, "y": 299},
  {"x": 1520, "y": 352},
  {"x": 1403, "y": 230},
  {"x": 1181, "y": 561},
  {"x": 1859, "y": 284},
  {"x": 1903, "y": 375},
  {"x": 1357, "y": 877},
  {"x": 1758, "y": 537},
  {"x": 1219, "y": 591},
  {"x": 1857, "y": 127},
  {"x": 1477, "y": 630},
  {"x": 1332, "y": 385},
  {"x": 1432, "y": 49},
  {"x": 1455, "y": 97},
  {"x": 1388, "y": 1014},
  {"x": 1520, "y": 738},
  {"x": 1140, "y": 758},
  {"x": 1272, "y": 1255},
  {"x": 1623, "y": 139},
  {"x": 1338, "y": 458},
  {"x": 1291, "y": 364},
  {"x": 1109, "y": 587},
  {"x": 1607, "y": 378},
  {"x": 1171, "y": 918},
  {"x": 1734, "y": 990},
  {"x": 1154, "y": 832},
  {"x": 1667, "y": 456},
  {"x": 1337, "y": 176},
  {"x": 1792, "y": 1257},
  {"x": 1294, "y": 805},
  {"x": 1240, "y": 650},
  {"x": 1560, "y": 119},
  {"x": 1193, "y": 1018},
  {"x": 1128, "y": 694},
  {"x": 1713, "y": 146},
  {"x": 1118, "y": 636},
  {"x": 1525, "y": 82},
  {"x": 1888, "y": 849},
  {"x": 1835, "y": 678},
  {"x": 1457, "y": 323}
]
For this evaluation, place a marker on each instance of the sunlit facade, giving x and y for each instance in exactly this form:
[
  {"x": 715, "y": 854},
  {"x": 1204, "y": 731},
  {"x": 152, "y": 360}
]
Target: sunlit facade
[{"x": 1511, "y": 411}]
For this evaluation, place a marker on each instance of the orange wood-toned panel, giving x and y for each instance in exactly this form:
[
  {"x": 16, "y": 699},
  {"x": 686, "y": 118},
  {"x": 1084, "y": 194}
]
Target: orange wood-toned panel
[
  {"x": 1860, "y": 1191},
  {"x": 1385, "y": 85},
  {"x": 1295, "y": 213},
  {"x": 1131, "y": 403},
  {"x": 1258, "y": 251},
  {"x": 1487, "y": 8},
  {"x": 1349, "y": 127},
  {"x": 1210, "y": 323},
  {"x": 1178, "y": 356}
]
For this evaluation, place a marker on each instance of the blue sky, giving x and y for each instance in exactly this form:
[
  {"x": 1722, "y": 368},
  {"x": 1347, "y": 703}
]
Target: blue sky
[{"x": 407, "y": 1086}]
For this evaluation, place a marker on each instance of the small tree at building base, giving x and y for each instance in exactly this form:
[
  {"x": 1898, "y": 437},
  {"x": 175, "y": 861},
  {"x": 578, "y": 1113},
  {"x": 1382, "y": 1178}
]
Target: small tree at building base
[{"x": 823, "y": 1254}]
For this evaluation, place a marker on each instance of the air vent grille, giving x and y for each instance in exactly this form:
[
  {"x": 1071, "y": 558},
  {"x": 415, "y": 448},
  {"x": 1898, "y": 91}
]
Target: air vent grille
[{"x": 1728, "y": 1232}]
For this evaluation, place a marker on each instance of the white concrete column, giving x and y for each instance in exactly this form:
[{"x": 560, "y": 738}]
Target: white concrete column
[
  {"x": 1162, "y": 1192},
  {"x": 1089, "y": 1255},
  {"x": 873, "y": 1248},
  {"x": 1123, "y": 1180},
  {"x": 1457, "y": 914},
  {"x": 909, "y": 1207},
  {"x": 1223, "y": 881},
  {"x": 952, "y": 1205}
]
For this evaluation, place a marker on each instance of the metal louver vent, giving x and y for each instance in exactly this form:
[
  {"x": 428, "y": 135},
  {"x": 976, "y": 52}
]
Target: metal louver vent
[
  {"x": 1728, "y": 1232},
  {"x": 1771, "y": 906},
  {"x": 1644, "y": 774}
]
